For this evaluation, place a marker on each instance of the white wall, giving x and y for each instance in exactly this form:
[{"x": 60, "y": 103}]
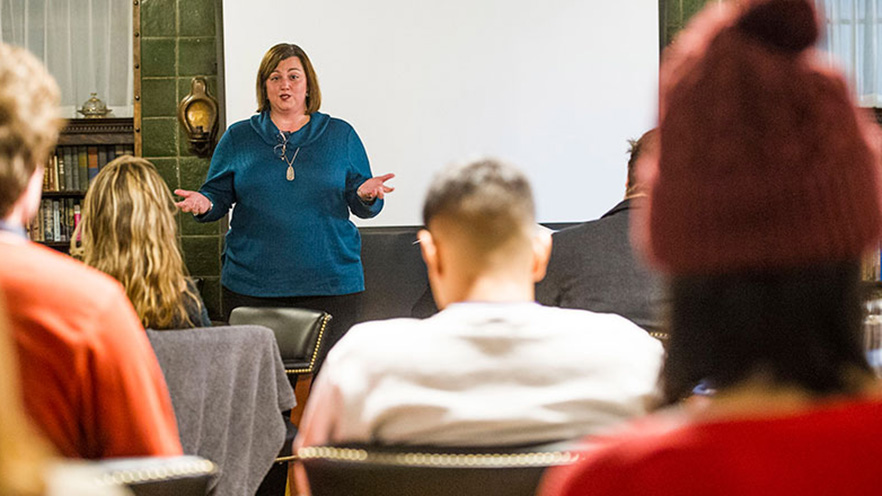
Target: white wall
[{"x": 555, "y": 87}]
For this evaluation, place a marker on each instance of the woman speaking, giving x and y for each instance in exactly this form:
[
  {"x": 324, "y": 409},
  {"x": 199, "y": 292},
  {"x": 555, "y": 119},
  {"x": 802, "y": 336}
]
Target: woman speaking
[{"x": 294, "y": 175}]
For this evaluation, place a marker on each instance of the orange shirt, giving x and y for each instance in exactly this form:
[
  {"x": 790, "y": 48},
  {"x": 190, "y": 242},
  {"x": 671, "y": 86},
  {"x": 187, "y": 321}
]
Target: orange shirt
[{"x": 89, "y": 376}]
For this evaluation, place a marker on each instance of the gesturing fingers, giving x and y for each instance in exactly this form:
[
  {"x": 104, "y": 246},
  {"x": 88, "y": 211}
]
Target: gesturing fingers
[
  {"x": 385, "y": 177},
  {"x": 375, "y": 187}
]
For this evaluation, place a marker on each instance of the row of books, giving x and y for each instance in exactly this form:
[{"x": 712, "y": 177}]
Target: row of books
[
  {"x": 56, "y": 220},
  {"x": 72, "y": 167}
]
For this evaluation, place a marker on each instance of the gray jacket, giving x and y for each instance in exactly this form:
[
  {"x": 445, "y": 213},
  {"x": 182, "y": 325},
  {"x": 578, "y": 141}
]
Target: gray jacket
[{"x": 593, "y": 267}]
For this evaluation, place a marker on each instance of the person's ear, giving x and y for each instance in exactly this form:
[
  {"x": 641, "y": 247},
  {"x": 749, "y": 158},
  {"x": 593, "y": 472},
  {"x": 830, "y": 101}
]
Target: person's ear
[
  {"x": 32, "y": 195},
  {"x": 433, "y": 267},
  {"x": 429, "y": 251},
  {"x": 541, "y": 253}
]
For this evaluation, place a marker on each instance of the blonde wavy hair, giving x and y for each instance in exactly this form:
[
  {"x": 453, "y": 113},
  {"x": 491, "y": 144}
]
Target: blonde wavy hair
[
  {"x": 128, "y": 231},
  {"x": 24, "y": 454}
]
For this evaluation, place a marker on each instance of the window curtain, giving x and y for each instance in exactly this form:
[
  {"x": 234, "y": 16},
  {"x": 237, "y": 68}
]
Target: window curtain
[
  {"x": 852, "y": 37},
  {"x": 86, "y": 44}
]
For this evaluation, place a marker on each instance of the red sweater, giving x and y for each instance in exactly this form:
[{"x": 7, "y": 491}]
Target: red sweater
[
  {"x": 826, "y": 451},
  {"x": 90, "y": 379}
]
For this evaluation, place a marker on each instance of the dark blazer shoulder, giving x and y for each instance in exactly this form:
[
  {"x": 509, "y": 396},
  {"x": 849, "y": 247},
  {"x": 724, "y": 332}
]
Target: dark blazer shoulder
[{"x": 611, "y": 222}]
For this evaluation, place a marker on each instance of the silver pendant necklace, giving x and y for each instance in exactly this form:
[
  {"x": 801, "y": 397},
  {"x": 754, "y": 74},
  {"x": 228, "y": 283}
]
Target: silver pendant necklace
[{"x": 283, "y": 152}]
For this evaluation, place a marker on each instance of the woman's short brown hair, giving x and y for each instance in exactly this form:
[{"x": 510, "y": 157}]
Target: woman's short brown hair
[
  {"x": 271, "y": 59},
  {"x": 29, "y": 121}
]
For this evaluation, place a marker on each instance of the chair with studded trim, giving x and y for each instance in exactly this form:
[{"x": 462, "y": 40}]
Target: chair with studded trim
[
  {"x": 369, "y": 470},
  {"x": 300, "y": 334},
  {"x": 158, "y": 476}
]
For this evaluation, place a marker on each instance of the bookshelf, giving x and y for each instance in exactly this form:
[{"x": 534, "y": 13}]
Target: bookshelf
[
  {"x": 871, "y": 265},
  {"x": 84, "y": 146}
]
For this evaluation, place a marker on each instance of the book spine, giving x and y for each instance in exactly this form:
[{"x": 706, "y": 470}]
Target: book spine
[
  {"x": 65, "y": 235},
  {"x": 77, "y": 217},
  {"x": 42, "y": 215},
  {"x": 70, "y": 218},
  {"x": 47, "y": 220},
  {"x": 92, "y": 157},
  {"x": 62, "y": 177},
  {"x": 37, "y": 226},
  {"x": 54, "y": 180},
  {"x": 83, "y": 160},
  {"x": 62, "y": 227},
  {"x": 83, "y": 169},
  {"x": 67, "y": 172},
  {"x": 41, "y": 234},
  {"x": 56, "y": 221},
  {"x": 47, "y": 175},
  {"x": 102, "y": 155},
  {"x": 73, "y": 169}
]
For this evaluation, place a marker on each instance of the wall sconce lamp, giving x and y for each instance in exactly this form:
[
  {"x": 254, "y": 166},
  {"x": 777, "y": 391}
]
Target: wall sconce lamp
[{"x": 197, "y": 113}]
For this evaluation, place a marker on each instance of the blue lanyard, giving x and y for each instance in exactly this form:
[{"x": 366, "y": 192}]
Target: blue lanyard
[{"x": 13, "y": 228}]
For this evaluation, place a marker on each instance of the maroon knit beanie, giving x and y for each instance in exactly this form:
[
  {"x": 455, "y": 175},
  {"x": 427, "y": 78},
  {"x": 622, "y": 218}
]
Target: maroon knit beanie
[{"x": 764, "y": 161}]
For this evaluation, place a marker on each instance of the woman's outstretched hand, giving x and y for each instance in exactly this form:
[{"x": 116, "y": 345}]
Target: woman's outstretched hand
[
  {"x": 193, "y": 202},
  {"x": 374, "y": 188}
]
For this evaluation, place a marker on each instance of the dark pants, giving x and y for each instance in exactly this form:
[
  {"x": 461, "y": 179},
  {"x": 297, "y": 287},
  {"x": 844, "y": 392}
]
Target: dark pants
[{"x": 345, "y": 309}]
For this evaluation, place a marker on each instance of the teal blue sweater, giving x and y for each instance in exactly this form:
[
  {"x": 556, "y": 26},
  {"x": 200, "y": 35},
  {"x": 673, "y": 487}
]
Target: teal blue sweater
[{"x": 290, "y": 238}]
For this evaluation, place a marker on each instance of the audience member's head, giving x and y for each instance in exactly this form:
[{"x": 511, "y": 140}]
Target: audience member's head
[
  {"x": 128, "y": 230},
  {"x": 480, "y": 229},
  {"x": 764, "y": 198},
  {"x": 641, "y": 150},
  {"x": 29, "y": 126}
]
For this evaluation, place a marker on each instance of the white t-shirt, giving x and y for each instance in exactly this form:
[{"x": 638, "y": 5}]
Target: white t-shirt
[{"x": 482, "y": 374}]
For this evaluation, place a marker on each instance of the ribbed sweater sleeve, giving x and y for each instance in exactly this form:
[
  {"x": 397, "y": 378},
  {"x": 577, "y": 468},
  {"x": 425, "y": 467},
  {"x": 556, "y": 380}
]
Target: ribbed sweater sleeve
[
  {"x": 359, "y": 172},
  {"x": 218, "y": 186}
]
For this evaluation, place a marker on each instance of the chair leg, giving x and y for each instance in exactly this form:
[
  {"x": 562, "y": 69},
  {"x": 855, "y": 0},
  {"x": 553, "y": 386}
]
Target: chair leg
[{"x": 301, "y": 394}]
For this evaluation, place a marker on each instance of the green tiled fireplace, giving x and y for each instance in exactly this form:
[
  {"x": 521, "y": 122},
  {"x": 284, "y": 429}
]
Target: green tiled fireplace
[{"x": 179, "y": 41}]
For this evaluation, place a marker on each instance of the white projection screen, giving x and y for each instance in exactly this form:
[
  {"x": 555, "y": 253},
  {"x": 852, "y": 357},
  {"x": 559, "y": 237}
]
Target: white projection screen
[{"x": 555, "y": 87}]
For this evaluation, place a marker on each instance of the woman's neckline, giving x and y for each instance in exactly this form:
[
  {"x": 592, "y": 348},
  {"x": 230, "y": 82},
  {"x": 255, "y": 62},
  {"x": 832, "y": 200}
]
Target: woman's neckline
[{"x": 290, "y": 125}]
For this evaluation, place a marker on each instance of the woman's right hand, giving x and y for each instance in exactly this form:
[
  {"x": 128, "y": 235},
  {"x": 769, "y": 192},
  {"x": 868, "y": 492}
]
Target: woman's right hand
[{"x": 193, "y": 202}]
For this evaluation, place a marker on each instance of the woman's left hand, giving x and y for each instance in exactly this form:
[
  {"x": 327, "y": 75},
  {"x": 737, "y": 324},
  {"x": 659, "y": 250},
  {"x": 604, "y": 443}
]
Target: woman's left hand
[{"x": 374, "y": 188}]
